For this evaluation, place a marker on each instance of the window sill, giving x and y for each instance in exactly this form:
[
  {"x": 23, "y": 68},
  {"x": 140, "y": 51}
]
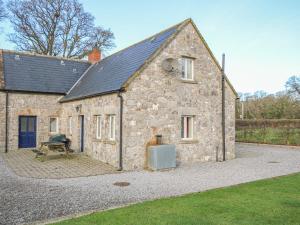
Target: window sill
[
  {"x": 97, "y": 140},
  {"x": 111, "y": 142},
  {"x": 189, "y": 81},
  {"x": 188, "y": 141}
]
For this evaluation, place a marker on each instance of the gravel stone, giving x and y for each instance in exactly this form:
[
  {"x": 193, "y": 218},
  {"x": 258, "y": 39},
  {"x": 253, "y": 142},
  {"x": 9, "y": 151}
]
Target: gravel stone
[{"x": 27, "y": 200}]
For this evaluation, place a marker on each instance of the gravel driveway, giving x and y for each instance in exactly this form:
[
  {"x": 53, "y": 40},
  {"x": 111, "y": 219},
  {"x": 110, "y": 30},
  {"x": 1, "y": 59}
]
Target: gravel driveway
[{"x": 25, "y": 200}]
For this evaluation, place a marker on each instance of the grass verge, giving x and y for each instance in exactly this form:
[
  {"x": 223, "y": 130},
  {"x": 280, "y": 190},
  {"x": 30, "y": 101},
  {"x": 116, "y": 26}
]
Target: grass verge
[{"x": 272, "y": 201}]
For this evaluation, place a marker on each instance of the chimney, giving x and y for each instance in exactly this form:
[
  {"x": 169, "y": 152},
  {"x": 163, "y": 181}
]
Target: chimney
[{"x": 94, "y": 56}]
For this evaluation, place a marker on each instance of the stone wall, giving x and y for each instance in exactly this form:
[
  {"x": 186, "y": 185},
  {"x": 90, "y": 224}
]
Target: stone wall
[
  {"x": 105, "y": 150},
  {"x": 2, "y": 121},
  {"x": 230, "y": 103},
  {"x": 2, "y": 105},
  {"x": 1, "y": 70},
  {"x": 156, "y": 100},
  {"x": 42, "y": 106}
]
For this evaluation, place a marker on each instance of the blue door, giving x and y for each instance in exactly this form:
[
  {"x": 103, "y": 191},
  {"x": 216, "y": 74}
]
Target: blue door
[{"x": 27, "y": 131}]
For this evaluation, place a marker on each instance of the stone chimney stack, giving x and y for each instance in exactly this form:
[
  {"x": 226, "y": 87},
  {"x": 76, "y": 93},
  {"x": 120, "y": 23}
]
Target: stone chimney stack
[{"x": 94, "y": 56}]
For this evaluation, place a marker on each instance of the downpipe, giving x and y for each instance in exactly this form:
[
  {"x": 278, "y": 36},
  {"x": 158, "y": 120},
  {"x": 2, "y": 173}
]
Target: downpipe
[
  {"x": 121, "y": 132},
  {"x": 223, "y": 109}
]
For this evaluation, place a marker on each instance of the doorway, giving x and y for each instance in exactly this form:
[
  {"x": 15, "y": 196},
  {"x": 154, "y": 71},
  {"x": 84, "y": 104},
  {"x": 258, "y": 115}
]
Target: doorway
[{"x": 27, "y": 131}]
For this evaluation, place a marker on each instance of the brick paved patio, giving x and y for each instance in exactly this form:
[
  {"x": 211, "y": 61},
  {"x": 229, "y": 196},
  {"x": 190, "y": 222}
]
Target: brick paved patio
[{"x": 24, "y": 163}]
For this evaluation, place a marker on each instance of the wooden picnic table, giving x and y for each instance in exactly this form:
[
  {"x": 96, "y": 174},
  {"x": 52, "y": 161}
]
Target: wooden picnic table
[{"x": 53, "y": 146}]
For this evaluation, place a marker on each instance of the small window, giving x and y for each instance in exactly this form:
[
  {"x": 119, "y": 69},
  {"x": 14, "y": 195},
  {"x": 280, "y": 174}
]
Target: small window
[
  {"x": 31, "y": 124},
  {"x": 23, "y": 124},
  {"x": 187, "y": 127},
  {"x": 112, "y": 128},
  {"x": 98, "y": 127},
  {"x": 187, "y": 68},
  {"x": 53, "y": 125},
  {"x": 70, "y": 125}
]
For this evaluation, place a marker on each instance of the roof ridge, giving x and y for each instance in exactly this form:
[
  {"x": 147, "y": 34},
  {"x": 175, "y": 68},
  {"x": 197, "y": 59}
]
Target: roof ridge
[
  {"x": 41, "y": 55},
  {"x": 160, "y": 32}
]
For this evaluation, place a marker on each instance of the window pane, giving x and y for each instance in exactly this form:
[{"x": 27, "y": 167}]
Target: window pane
[
  {"x": 23, "y": 124},
  {"x": 183, "y": 63},
  {"x": 187, "y": 127},
  {"x": 112, "y": 127},
  {"x": 191, "y": 127},
  {"x": 182, "y": 127},
  {"x": 53, "y": 124},
  {"x": 189, "y": 69},
  {"x": 31, "y": 124},
  {"x": 98, "y": 128}
]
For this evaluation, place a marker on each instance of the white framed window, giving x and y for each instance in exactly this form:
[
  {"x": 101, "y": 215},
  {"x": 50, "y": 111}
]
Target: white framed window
[
  {"x": 70, "y": 124},
  {"x": 53, "y": 125},
  {"x": 112, "y": 127},
  {"x": 187, "y": 127},
  {"x": 187, "y": 68},
  {"x": 98, "y": 126}
]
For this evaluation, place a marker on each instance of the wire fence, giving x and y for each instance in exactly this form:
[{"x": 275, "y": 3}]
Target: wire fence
[{"x": 282, "y": 132}]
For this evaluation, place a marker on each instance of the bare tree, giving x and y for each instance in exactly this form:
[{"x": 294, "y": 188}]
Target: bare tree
[
  {"x": 2, "y": 11},
  {"x": 293, "y": 85},
  {"x": 56, "y": 27}
]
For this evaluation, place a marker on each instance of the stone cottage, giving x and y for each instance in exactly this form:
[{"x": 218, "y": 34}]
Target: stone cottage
[{"x": 112, "y": 108}]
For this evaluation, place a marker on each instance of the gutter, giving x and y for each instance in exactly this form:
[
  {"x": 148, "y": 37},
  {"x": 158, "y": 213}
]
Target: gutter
[
  {"x": 6, "y": 122},
  {"x": 121, "y": 131},
  {"x": 31, "y": 92},
  {"x": 223, "y": 109}
]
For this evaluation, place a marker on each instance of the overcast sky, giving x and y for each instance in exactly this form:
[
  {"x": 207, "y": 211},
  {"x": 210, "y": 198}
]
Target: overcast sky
[{"x": 261, "y": 38}]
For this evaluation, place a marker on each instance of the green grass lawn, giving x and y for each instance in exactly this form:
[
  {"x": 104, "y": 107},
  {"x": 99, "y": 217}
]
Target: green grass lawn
[{"x": 272, "y": 201}]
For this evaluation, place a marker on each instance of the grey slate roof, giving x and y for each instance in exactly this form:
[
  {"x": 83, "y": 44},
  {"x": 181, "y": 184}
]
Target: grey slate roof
[
  {"x": 112, "y": 72},
  {"x": 25, "y": 72}
]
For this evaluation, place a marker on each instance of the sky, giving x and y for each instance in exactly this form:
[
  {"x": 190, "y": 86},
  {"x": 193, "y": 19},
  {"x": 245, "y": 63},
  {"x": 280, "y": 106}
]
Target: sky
[{"x": 261, "y": 38}]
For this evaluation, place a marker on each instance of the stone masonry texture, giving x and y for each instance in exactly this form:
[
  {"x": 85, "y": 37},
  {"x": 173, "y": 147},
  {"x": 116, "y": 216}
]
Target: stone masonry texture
[
  {"x": 2, "y": 120},
  {"x": 40, "y": 105},
  {"x": 1, "y": 71},
  {"x": 102, "y": 149},
  {"x": 154, "y": 102}
]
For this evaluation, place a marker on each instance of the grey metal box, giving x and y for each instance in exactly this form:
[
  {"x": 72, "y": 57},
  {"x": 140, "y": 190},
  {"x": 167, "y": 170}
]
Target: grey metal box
[{"x": 161, "y": 157}]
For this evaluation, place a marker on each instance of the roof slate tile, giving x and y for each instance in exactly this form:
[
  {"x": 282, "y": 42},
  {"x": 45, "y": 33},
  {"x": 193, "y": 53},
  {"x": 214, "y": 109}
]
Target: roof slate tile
[
  {"x": 112, "y": 72},
  {"x": 34, "y": 73}
]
